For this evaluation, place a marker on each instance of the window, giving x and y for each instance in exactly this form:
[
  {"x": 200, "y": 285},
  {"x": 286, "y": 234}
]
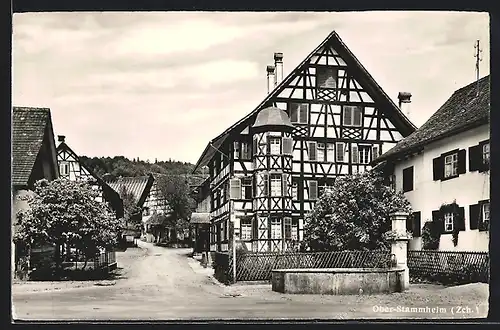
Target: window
[
  {"x": 408, "y": 179},
  {"x": 451, "y": 165},
  {"x": 364, "y": 155},
  {"x": 479, "y": 157},
  {"x": 64, "y": 168},
  {"x": 276, "y": 185},
  {"x": 275, "y": 145},
  {"x": 479, "y": 215},
  {"x": 255, "y": 146},
  {"x": 298, "y": 113},
  {"x": 288, "y": 229},
  {"x": 448, "y": 222},
  {"x": 246, "y": 185},
  {"x": 330, "y": 152},
  {"x": 312, "y": 151},
  {"x": 486, "y": 153},
  {"x": 486, "y": 212},
  {"x": 351, "y": 116},
  {"x": 295, "y": 195},
  {"x": 326, "y": 77},
  {"x": 275, "y": 228},
  {"x": 235, "y": 188},
  {"x": 392, "y": 181},
  {"x": 245, "y": 150},
  {"x": 145, "y": 211},
  {"x": 320, "y": 152},
  {"x": 375, "y": 153},
  {"x": 246, "y": 228},
  {"x": 236, "y": 150},
  {"x": 340, "y": 152},
  {"x": 354, "y": 154},
  {"x": 313, "y": 189}
]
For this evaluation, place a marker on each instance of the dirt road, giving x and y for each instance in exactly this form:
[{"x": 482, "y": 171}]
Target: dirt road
[{"x": 160, "y": 284}]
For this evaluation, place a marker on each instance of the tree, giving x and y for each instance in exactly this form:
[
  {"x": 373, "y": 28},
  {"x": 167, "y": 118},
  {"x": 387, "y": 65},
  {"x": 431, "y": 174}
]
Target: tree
[
  {"x": 175, "y": 190},
  {"x": 130, "y": 208},
  {"x": 63, "y": 212},
  {"x": 354, "y": 215}
]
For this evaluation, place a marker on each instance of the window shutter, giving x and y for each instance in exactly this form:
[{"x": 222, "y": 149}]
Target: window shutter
[
  {"x": 287, "y": 145},
  {"x": 354, "y": 154},
  {"x": 340, "y": 152},
  {"x": 312, "y": 150},
  {"x": 303, "y": 113},
  {"x": 254, "y": 146},
  {"x": 408, "y": 179},
  {"x": 235, "y": 186},
  {"x": 416, "y": 225},
  {"x": 474, "y": 216},
  {"x": 313, "y": 189},
  {"x": 294, "y": 112},
  {"x": 285, "y": 185},
  {"x": 266, "y": 184},
  {"x": 461, "y": 220},
  {"x": 409, "y": 223},
  {"x": 347, "y": 119},
  {"x": 438, "y": 168},
  {"x": 474, "y": 158},
  {"x": 435, "y": 218},
  {"x": 356, "y": 121},
  {"x": 374, "y": 152},
  {"x": 461, "y": 161}
]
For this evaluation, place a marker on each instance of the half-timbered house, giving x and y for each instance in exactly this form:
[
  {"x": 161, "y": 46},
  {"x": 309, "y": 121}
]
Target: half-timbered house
[
  {"x": 328, "y": 117},
  {"x": 71, "y": 167}
]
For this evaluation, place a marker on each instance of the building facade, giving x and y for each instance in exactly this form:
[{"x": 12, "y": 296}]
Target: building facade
[
  {"x": 446, "y": 161},
  {"x": 72, "y": 168},
  {"x": 34, "y": 158},
  {"x": 327, "y": 118}
]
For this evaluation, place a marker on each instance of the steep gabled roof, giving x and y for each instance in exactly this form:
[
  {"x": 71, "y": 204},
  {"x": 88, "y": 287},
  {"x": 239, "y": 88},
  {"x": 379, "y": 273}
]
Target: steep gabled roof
[
  {"x": 468, "y": 107},
  {"x": 108, "y": 190},
  {"x": 29, "y": 130},
  {"x": 140, "y": 186},
  {"x": 401, "y": 122}
]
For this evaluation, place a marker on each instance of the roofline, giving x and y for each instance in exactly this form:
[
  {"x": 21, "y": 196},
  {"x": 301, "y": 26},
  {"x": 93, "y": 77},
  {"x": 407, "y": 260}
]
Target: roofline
[
  {"x": 419, "y": 146},
  {"x": 289, "y": 77}
]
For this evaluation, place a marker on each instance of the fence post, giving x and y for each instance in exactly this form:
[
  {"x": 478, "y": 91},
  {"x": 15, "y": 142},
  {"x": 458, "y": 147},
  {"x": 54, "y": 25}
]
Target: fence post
[{"x": 399, "y": 245}]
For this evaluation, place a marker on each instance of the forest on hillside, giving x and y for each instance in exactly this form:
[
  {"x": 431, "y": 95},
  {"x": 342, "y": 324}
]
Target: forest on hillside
[{"x": 122, "y": 166}]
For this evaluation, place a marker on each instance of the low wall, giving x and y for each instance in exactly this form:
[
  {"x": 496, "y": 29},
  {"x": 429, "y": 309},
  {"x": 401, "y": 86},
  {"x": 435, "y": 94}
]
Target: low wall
[{"x": 337, "y": 281}]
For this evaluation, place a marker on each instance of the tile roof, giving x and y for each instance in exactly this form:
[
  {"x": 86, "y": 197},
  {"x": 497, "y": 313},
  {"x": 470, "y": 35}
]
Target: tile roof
[
  {"x": 28, "y": 132},
  {"x": 400, "y": 120},
  {"x": 200, "y": 218},
  {"x": 465, "y": 109},
  {"x": 139, "y": 186}
]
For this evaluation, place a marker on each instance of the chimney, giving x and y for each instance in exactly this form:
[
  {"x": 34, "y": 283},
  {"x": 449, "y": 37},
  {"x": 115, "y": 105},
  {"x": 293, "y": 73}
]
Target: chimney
[
  {"x": 278, "y": 63},
  {"x": 271, "y": 77},
  {"x": 404, "y": 102},
  {"x": 61, "y": 138}
]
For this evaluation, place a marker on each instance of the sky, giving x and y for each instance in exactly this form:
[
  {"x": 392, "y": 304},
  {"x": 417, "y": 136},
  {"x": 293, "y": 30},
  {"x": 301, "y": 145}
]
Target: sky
[{"x": 163, "y": 84}]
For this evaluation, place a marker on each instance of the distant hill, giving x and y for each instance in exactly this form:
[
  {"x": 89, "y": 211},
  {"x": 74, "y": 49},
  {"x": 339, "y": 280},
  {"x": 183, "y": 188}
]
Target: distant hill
[{"x": 122, "y": 166}]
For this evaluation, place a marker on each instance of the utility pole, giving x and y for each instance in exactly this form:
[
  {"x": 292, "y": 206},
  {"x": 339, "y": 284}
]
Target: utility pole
[{"x": 477, "y": 55}]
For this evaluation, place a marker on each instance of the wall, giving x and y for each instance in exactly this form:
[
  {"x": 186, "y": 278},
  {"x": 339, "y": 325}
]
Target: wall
[
  {"x": 17, "y": 206},
  {"x": 467, "y": 189}
]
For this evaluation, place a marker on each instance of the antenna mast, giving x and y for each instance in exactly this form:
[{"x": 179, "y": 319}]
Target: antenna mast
[{"x": 477, "y": 55}]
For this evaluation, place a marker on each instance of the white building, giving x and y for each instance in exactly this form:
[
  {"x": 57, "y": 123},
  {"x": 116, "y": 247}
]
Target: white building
[{"x": 445, "y": 161}]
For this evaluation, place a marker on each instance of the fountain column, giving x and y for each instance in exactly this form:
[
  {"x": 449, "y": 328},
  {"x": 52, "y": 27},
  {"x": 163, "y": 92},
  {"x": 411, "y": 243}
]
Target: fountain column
[{"x": 399, "y": 246}]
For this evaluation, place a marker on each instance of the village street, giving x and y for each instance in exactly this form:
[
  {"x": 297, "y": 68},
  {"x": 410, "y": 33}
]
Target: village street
[{"x": 158, "y": 283}]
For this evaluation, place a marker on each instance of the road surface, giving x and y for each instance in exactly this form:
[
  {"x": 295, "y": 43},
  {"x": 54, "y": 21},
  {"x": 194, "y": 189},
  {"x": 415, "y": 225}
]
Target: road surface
[{"x": 165, "y": 284}]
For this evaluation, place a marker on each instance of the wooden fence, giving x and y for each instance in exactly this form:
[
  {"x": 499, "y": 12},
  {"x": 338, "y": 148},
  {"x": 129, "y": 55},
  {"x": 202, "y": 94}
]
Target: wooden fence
[
  {"x": 448, "y": 267},
  {"x": 258, "y": 266}
]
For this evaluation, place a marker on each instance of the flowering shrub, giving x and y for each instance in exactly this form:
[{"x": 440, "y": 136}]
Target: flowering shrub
[{"x": 354, "y": 215}]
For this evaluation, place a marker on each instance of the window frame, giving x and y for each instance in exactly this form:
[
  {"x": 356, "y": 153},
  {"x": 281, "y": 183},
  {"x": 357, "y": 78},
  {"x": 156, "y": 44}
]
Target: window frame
[
  {"x": 246, "y": 235},
  {"x": 245, "y": 151},
  {"x": 321, "y": 149},
  {"x": 297, "y": 106},
  {"x": 276, "y": 226},
  {"x": 246, "y": 184},
  {"x": 368, "y": 150},
  {"x": 271, "y": 180},
  {"x": 351, "y": 109},
  {"x": 324, "y": 70},
  {"x": 328, "y": 154},
  {"x": 65, "y": 165},
  {"x": 278, "y": 139},
  {"x": 453, "y": 164}
]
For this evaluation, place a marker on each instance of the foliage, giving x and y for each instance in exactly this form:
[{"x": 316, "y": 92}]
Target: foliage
[
  {"x": 176, "y": 191},
  {"x": 122, "y": 166},
  {"x": 66, "y": 212},
  {"x": 394, "y": 234},
  {"x": 131, "y": 210},
  {"x": 451, "y": 208},
  {"x": 354, "y": 215},
  {"x": 431, "y": 234}
]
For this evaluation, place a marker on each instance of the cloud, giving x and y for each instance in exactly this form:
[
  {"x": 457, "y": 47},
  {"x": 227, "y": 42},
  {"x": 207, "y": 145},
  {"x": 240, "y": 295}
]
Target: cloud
[{"x": 163, "y": 84}]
